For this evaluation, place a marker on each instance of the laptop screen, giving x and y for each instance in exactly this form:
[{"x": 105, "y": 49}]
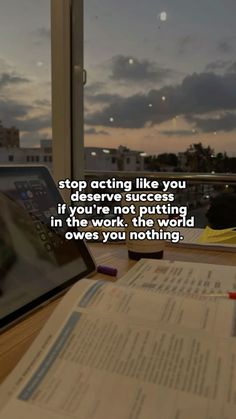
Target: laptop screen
[{"x": 36, "y": 262}]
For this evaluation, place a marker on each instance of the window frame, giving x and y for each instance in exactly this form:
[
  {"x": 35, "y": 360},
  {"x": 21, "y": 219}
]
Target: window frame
[{"x": 67, "y": 88}]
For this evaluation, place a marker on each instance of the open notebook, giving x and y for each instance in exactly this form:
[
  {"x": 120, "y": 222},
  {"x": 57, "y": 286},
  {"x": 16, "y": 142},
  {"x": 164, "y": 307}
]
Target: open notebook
[{"x": 137, "y": 349}]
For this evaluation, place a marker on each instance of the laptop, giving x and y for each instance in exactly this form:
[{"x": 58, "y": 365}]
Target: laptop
[{"x": 36, "y": 262}]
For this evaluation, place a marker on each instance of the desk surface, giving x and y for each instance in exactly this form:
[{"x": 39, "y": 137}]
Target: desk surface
[{"x": 15, "y": 341}]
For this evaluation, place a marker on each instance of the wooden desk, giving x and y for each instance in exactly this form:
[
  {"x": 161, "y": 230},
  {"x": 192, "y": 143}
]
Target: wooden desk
[{"x": 15, "y": 341}]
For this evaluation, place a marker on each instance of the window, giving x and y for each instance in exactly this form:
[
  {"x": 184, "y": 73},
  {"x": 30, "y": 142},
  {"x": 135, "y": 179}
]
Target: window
[
  {"x": 162, "y": 81},
  {"x": 47, "y": 150},
  {"x": 25, "y": 78}
]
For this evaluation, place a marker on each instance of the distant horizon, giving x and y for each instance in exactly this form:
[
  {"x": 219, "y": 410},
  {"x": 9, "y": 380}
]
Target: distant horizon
[{"x": 22, "y": 145}]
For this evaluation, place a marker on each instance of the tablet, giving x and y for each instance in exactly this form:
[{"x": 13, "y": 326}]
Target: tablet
[{"x": 36, "y": 262}]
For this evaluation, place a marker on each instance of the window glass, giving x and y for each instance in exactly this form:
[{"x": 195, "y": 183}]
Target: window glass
[
  {"x": 161, "y": 82},
  {"x": 25, "y": 80}
]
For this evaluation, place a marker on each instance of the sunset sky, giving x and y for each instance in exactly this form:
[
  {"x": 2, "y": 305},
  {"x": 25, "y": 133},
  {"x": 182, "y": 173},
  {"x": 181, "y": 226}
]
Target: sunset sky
[{"x": 161, "y": 74}]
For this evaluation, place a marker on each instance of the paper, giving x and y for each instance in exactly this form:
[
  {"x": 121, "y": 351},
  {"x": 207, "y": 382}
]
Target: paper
[
  {"x": 125, "y": 353},
  {"x": 181, "y": 278},
  {"x": 192, "y": 238},
  {"x": 132, "y": 372},
  {"x": 114, "y": 301}
]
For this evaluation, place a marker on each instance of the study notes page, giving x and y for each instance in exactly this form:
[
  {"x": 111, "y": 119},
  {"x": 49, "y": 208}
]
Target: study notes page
[
  {"x": 117, "y": 363},
  {"x": 180, "y": 278}
]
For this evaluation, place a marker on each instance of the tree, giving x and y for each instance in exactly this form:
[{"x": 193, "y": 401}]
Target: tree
[
  {"x": 199, "y": 158},
  {"x": 169, "y": 159},
  {"x": 152, "y": 164}
]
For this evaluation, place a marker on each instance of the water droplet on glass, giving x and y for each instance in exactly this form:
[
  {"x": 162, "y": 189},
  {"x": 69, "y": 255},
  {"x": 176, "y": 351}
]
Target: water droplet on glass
[{"x": 163, "y": 16}]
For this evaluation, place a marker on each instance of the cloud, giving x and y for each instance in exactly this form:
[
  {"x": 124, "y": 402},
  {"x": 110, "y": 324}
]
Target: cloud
[
  {"x": 10, "y": 111},
  {"x": 35, "y": 124},
  {"x": 128, "y": 112},
  {"x": 218, "y": 65},
  {"x": 103, "y": 98},
  {"x": 185, "y": 43},
  {"x": 93, "y": 88},
  {"x": 178, "y": 133},
  {"x": 4, "y": 65},
  {"x": 207, "y": 92},
  {"x": 232, "y": 68},
  {"x": 43, "y": 103},
  {"x": 226, "y": 122},
  {"x": 43, "y": 33},
  {"x": 7, "y": 79},
  {"x": 226, "y": 46},
  {"x": 197, "y": 94},
  {"x": 131, "y": 69},
  {"x": 92, "y": 131},
  {"x": 222, "y": 65},
  {"x": 93, "y": 96},
  {"x": 17, "y": 114}
]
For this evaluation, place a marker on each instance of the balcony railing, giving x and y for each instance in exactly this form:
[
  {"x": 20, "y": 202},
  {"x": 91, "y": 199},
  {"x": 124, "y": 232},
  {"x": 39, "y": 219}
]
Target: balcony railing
[
  {"x": 190, "y": 177},
  {"x": 200, "y": 187}
]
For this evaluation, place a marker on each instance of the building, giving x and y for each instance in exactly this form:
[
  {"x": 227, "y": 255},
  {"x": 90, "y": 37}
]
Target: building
[
  {"x": 33, "y": 155},
  {"x": 9, "y": 137},
  {"x": 98, "y": 159},
  {"x": 112, "y": 159}
]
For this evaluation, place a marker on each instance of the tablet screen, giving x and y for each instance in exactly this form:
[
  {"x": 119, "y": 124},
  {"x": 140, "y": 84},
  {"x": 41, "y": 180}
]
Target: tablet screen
[{"x": 36, "y": 262}]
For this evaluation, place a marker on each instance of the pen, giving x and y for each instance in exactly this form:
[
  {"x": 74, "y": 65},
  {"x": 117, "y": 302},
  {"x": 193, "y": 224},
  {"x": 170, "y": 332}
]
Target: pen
[
  {"x": 107, "y": 270},
  {"x": 231, "y": 295}
]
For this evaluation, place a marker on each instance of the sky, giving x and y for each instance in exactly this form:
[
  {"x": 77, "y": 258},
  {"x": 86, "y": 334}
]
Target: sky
[
  {"x": 161, "y": 74},
  {"x": 25, "y": 68}
]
